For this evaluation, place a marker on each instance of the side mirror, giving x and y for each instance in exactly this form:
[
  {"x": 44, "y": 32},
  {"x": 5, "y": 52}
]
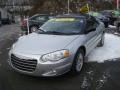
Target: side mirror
[
  {"x": 93, "y": 29},
  {"x": 89, "y": 30}
]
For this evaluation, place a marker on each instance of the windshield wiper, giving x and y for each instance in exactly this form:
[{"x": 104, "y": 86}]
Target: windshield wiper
[
  {"x": 55, "y": 32},
  {"x": 41, "y": 30}
]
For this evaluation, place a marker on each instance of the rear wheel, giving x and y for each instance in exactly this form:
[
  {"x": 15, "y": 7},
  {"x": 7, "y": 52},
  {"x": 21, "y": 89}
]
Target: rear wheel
[
  {"x": 119, "y": 28},
  {"x": 106, "y": 25},
  {"x": 101, "y": 43},
  {"x": 78, "y": 62}
]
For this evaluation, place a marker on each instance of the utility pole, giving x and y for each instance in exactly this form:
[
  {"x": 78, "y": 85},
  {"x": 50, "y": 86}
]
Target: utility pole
[
  {"x": 117, "y": 4},
  {"x": 68, "y": 6},
  {"x": 13, "y": 14}
]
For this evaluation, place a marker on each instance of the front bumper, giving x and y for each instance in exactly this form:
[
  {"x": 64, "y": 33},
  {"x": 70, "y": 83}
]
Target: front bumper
[{"x": 44, "y": 69}]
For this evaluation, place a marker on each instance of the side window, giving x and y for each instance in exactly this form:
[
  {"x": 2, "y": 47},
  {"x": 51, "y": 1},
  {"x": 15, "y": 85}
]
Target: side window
[
  {"x": 96, "y": 23},
  {"x": 40, "y": 18},
  {"x": 89, "y": 25},
  {"x": 50, "y": 17}
]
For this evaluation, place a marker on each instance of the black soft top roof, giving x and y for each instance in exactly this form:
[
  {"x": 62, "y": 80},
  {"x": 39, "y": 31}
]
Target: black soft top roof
[
  {"x": 84, "y": 16},
  {"x": 41, "y": 15}
]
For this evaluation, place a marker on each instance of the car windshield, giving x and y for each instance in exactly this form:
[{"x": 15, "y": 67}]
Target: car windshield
[
  {"x": 99, "y": 15},
  {"x": 96, "y": 14},
  {"x": 60, "y": 26},
  {"x": 106, "y": 13}
]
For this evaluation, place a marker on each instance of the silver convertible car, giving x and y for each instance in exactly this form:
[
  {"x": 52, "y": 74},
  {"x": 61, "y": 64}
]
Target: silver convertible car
[{"x": 59, "y": 46}]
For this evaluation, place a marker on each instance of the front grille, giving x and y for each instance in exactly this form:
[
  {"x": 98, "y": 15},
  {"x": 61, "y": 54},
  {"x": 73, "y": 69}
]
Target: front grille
[{"x": 23, "y": 64}]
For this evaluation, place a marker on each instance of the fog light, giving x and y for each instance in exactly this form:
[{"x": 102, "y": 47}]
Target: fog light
[{"x": 50, "y": 73}]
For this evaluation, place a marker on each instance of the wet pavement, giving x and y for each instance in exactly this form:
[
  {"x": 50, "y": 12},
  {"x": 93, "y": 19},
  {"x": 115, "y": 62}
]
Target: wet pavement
[{"x": 94, "y": 76}]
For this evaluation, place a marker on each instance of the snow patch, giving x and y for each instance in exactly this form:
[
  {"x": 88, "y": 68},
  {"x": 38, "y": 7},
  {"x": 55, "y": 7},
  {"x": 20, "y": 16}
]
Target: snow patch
[
  {"x": 85, "y": 83},
  {"x": 102, "y": 80},
  {"x": 109, "y": 51},
  {"x": 111, "y": 26}
]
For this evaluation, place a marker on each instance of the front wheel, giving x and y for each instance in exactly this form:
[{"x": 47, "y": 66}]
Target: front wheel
[
  {"x": 33, "y": 29},
  {"x": 78, "y": 62}
]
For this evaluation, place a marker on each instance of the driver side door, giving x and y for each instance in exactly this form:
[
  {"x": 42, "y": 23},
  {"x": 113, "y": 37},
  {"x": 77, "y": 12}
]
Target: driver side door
[{"x": 91, "y": 35}]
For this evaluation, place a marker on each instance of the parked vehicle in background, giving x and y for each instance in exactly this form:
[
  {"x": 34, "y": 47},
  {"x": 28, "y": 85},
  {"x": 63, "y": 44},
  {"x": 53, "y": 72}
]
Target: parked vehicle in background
[
  {"x": 116, "y": 13},
  {"x": 117, "y": 24},
  {"x": 101, "y": 17},
  {"x": 60, "y": 45},
  {"x": 5, "y": 16},
  {"x": 6, "y": 21},
  {"x": 118, "y": 27},
  {"x": 35, "y": 22},
  {"x": 109, "y": 14}
]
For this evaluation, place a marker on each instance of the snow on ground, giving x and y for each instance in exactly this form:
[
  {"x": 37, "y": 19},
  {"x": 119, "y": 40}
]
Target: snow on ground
[
  {"x": 111, "y": 26},
  {"x": 109, "y": 51}
]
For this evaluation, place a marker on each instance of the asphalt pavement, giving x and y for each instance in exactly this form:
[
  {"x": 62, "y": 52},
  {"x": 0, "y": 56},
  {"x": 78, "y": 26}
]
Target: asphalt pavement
[{"x": 94, "y": 76}]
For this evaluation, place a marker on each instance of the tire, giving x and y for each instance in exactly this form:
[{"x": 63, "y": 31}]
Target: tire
[
  {"x": 119, "y": 29},
  {"x": 0, "y": 23},
  {"x": 106, "y": 25},
  {"x": 78, "y": 63},
  {"x": 33, "y": 29},
  {"x": 101, "y": 43}
]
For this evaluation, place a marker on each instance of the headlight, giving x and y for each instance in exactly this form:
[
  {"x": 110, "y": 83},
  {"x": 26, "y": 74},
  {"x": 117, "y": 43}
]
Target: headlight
[
  {"x": 55, "y": 56},
  {"x": 11, "y": 49},
  {"x": 13, "y": 46}
]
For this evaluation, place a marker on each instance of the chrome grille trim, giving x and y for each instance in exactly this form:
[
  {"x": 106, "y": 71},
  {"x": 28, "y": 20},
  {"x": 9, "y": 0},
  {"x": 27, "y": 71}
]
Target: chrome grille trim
[{"x": 23, "y": 64}]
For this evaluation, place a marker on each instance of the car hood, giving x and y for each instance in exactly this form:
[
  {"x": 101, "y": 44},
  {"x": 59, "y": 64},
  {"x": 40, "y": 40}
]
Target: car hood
[{"x": 42, "y": 43}]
